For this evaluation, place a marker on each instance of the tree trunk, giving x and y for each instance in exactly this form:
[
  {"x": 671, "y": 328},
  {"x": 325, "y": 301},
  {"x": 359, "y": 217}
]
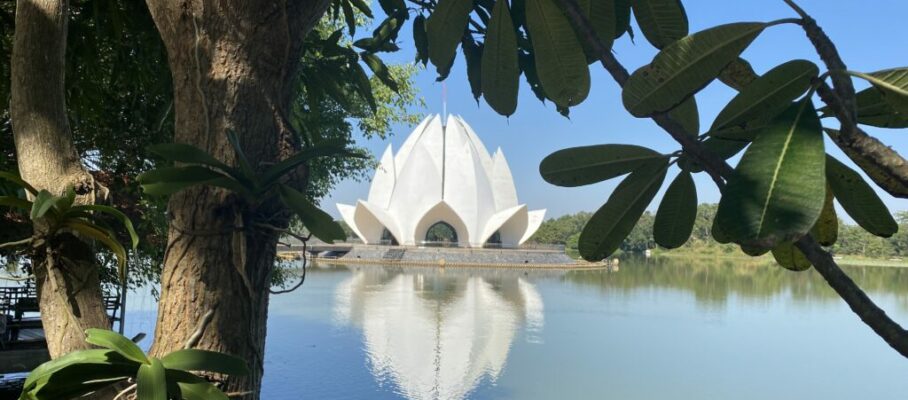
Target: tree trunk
[
  {"x": 69, "y": 298},
  {"x": 232, "y": 63}
]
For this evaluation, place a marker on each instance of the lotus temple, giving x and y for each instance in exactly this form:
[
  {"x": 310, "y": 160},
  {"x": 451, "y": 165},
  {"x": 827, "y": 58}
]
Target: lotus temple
[{"x": 442, "y": 192}]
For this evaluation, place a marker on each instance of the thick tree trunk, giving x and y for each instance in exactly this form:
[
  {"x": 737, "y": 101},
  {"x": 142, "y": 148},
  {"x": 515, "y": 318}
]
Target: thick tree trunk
[
  {"x": 232, "y": 64},
  {"x": 70, "y": 298}
]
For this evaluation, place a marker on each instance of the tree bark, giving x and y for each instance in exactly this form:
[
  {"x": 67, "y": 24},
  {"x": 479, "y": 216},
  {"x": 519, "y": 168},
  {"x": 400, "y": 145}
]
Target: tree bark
[
  {"x": 232, "y": 63},
  {"x": 69, "y": 297}
]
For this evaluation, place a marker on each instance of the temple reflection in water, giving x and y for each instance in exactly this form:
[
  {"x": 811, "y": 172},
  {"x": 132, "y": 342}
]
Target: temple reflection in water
[{"x": 437, "y": 335}]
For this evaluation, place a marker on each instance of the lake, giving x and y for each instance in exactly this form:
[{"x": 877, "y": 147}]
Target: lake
[{"x": 651, "y": 330}]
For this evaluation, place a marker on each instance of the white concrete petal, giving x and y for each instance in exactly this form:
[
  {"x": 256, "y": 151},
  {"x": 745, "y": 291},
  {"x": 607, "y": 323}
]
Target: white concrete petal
[
  {"x": 431, "y": 126},
  {"x": 348, "y": 214},
  {"x": 503, "y": 183},
  {"x": 467, "y": 186},
  {"x": 384, "y": 180},
  {"x": 500, "y": 218},
  {"x": 534, "y": 221},
  {"x": 418, "y": 189},
  {"x": 441, "y": 212},
  {"x": 383, "y": 218}
]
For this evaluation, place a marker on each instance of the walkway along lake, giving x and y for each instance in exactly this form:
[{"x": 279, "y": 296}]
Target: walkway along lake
[{"x": 653, "y": 330}]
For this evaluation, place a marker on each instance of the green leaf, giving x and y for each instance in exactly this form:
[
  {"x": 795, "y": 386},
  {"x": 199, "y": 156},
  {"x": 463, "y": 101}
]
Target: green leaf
[
  {"x": 776, "y": 193},
  {"x": 151, "y": 381},
  {"x": 472, "y": 53},
  {"x": 826, "y": 230},
  {"x": 623, "y": 18},
  {"x": 203, "y": 360},
  {"x": 420, "y": 41},
  {"x": 579, "y": 166},
  {"x": 893, "y": 84},
  {"x": 677, "y": 212},
  {"x": 601, "y": 14},
  {"x": 362, "y": 7},
  {"x": 560, "y": 61},
  {"x": 245, "y": 165},
  {"x": 77, "y": 373},
  {"x": 859, "y": 200},
  {"x": 380, "y": 70},
  {"x": 169, "y": 180},
  {"x": 873, "y": 110},
  {"x": 106, "y": 238},
  {"x": 445, "y": 28},
  {"x": 500, "y": 71},
  {"x": 116, "y": 342},
  {"x": 685, "y": 66},
  {"x": 789, "y": 257},
  {"x": 768, "y": 95},
  {"x": 687, "y": 115},
  {"x": 616, "y": 218},
  {"x": 10, "y": 201},
  {"x": 133, "y": 236},
  {"x": 184, "y": 153},
  {"x": 318, "y": 222},
  {"x": 192, "y": 387},
  {"x": 18, "y": 181},
  {"x": 349, "y": 17},
  {"x": 721, "y": 148},
  {"x": 323, "y": 149},
  {"x": 43, "y": 202},
  {"x": 662, "y": 21}
]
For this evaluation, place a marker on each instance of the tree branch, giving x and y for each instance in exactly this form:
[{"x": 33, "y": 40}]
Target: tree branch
[
  {"x": 862, "y": 305},
  {"x": 889, "y": 170}
]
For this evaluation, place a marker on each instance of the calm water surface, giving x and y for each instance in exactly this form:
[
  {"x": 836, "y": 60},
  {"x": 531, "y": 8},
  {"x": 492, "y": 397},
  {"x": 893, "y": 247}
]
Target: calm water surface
[{"x": 679, "y": 330}]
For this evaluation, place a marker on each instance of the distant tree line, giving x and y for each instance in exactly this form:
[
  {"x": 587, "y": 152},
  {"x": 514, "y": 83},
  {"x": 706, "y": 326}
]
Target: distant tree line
[{"x": 852, "y": 240}]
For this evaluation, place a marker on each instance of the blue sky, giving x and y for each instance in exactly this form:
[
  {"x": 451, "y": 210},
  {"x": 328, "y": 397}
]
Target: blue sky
[{"x": 870, "y": 35}]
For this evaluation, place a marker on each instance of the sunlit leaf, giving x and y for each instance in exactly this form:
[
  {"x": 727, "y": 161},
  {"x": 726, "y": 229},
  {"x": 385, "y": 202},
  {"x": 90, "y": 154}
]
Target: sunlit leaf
[
  {"x": 768, "y": 95},
  {"x": 204, "y": 360},
  {"x": 106, "y": 238},
  {"x": 776, "y": 193},
  {"x": 116, "y": 342},
  {"x": 560, "y": 61},
  {"x": 127, "y": 223},
  {"x": 500, "y": 72},
  {"x": 661, "y": 21},
  {"x": 676, "y": 214},
  {"x": 77, "y": 373},
  {"x": 380, "y": 69},
  {"x": 873, "y": 110},
  {"x": 608, "y": 227},
  {"x": 826, "y": 230},
  {"x": 43, "y": 203},
  {"x": 685, "y": 66},
  {"x": 151, "y": 382},
  {"x": 893, "y": 84},
  {"x": 859, "y": 200},
  {"x": 579, "y": 166},
  {"x": 789, "y": 257}
]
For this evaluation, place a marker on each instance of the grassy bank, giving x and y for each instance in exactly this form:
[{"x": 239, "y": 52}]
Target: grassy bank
[{"x": 719, "y": 253}]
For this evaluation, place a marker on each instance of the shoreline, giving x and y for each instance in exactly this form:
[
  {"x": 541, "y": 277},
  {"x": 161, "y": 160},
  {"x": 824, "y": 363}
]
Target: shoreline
[{"x": 851, "y": 261}]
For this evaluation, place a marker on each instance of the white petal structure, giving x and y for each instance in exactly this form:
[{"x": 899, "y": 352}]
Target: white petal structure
[{"x": 442, "y": 173}]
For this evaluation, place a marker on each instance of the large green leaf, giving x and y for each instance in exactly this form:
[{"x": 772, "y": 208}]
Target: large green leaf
[
  {"x": 685, "y": 66},
  {"x": 472, "y": 54},
  {"x": 769, "y": 94},
  {"x": 608, "y": 227},
  {"x": 776, "y": 193},
  {"x": 420, "y": 40},
  {"x": 789, "y": 257},
  {"x": 116, "y": 342},
  {"x": 10, "y": 201},
  {"x": 500, "y": 72},
  {"x": 77, "y": 373},
  {"x": 151, "y": 381},
  {"x": 677, "y": 212},
  {"x": 893, "y": 84},
  {"x": 623, "y": 18},
  {"x": 560, "y": 61},
  {"x": 43, "y": 203},
  {"x": 579, "y": 166},
  {"x": 662, "y": 21},
  {"x": 873, "y": 110},
  {"x": 245, "y": 165},
  {"x": 380, "y": 70},
  {"x": 192, "y": 387},
  {"x": 601, "y": 14},
  {"x": 204, "y": 360},
  {"x": 169, "y": 180},
  {"x": 318, "y": 222},
  {"x": 444, "y": 29},
  {"x": 7, "y": 176},
  {"x": 859, "y": 200},
  {"x": 133, "y": 236}
]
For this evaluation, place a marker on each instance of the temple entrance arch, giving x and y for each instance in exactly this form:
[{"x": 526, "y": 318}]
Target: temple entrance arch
[
  {"x": 387, "y": 238},
  {"x": 441, "y": 233}
]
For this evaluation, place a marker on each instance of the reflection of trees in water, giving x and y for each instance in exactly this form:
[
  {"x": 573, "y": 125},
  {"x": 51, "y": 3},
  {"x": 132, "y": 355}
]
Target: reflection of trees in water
[
  {"x": 712, "y": 282},
  {"x": 437, "y": 334}
]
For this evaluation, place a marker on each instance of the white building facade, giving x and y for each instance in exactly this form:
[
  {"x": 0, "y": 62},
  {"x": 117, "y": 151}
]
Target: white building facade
[{"x": 442, "y": 174}]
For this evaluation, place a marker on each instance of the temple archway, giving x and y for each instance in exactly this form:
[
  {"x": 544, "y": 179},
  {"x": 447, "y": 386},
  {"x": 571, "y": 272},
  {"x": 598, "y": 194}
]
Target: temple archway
[
  {"x": 387, "y": 238},
  {"x": 441, "y": 233}
]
